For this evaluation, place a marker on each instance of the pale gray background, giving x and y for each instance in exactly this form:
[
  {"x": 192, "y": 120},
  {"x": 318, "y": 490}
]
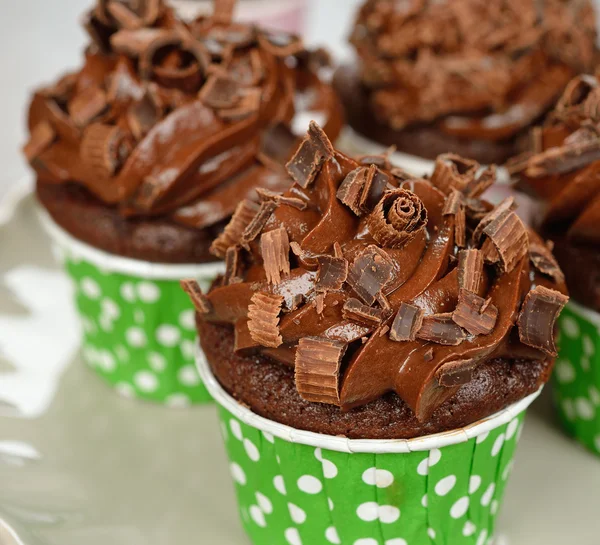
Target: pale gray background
[{"x": 39, "y": 39}]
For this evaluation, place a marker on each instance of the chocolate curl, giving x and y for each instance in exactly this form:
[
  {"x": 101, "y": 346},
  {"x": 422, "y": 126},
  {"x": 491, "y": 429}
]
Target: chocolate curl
[
  {"x": 317, "y": 369},
  {"x": 255, "y": 227},
  {"x": 456, "y": 373},
  {"x": 363, "y": 314},
  {"x": 220, "y": 91},
  {"x": 199, "y": 300},
  {"x": 407, "y": 323},
  {"x": 542, "y": 259},
  {"x": 474, "y": 313},
  {"x": 397, "y": 219},
  {"x": 537, "y": 318},
  {"x": 362, "y": 188},
  {"x": 454, "y": 206},
  {"x": 314, "y": 150},
  {"x": 232, "y": 234},
  {"x": 453, "y": 172},
  {"x": 223, "y": 12},
  {"x": 370, "y": 272},
  {"x": 508, "y": 236},
  {"x": 576, "y": 92},
  {"x": 332, "y": 273},
  {"x": 41, "y": 138},
  {"x": 470, "y": 270},
  {"x": 275, "y": 250},
  {"x": 280, "y": 44},
  {"x": 104, "y": 149},
  {"x": 441, "y": 329},
  {"x": 263, "y": 319},
  {"x": 87, "y": 105},
  {"x": 504, "y": 208}
]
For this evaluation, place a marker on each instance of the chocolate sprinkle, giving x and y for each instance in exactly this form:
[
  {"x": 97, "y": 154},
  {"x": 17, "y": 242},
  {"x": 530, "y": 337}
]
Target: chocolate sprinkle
[
  {"x": 275, "y": 250},
  {"x": 407, "y": 323},
  {"x": 370, "y": 272},
  {"x": 543, "y": 260},
  {"x": 363, "y": 314},
  {"x": 470, "y": 270},
  {"x": 474, "y": 313},
  {"x": 509, "y": 237},
  {"x": 255, "y": 227},
  {"x": 42, "y": 137},
  {"x": 398, "y": 218},
  {"x": 199, "y": 300},
  {"x": 232, "y": 234},
  {"x": 263, "y": 319},
  {"x": 306, "y": 163},
  {"x": 317, "y": 369},
  {"x": 456, "y": 373},
  {"x": 332, "y": 274},
  {"x": 538, "y": 316},
  {"x": 441, "y": 329}
]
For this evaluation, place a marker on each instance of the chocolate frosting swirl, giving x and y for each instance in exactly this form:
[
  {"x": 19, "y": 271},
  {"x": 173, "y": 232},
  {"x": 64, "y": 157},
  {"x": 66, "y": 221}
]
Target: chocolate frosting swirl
[
  {"x": 383, "y": 297},
  {"x": 476, "y": 69},
  {"x": 174, "y": 119},
  {"x": 563, "y": 166}
]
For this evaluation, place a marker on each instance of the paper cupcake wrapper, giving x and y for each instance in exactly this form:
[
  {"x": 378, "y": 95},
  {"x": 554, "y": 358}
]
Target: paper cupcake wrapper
[
  {"x": 577, "y": 375},
  {"x": 301, "y": 488},
  {"x": 138, "y": 324}
]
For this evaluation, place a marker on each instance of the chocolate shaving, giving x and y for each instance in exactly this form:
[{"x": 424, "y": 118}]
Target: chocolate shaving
[
  {"x": 232, "y": 234},
  {"x": 220, "y": 91},
  {"x": 407, "y": 323},
  {"x": 332, "y": 274},
  {"x": 317, "y": 369},
  {"x": 370, "y": 272},
  {"x": 199, "y": 300},
  {"x": 538, "y": 316},
  {"x": 454, "y": 203},
  {"x": 337, "y": 249},
  {"x": 255, "y": 227},
  {"x": 481, "y": 182},
  {"x": 382, "y": 161},
  {"x": 98, "y": 31},
  {"x": 502, "y": 209},
  {"x": 319, "y": 303},
  {"x": 41, "y": 138},
  {"x": 124, "y": 16},
  {"x": 134, "y": 42},
  {"x": 306, "y": 163},
  {"x": 376, "y": 183},
  {"x": 474, "y": 313},
  {"x": 280, "y": 44},
  {"x": 397, "y": 219},
  {"x": 350, "y": 190},
  {"x": 268, "y": 195},
  {"x": 143, "y": 115},
  {"x": 470, "y": 270},
  {"x": 104, "y": 149},
  {"x": 454, "y": 206},
  {"x": 87, "y": 105},
  {"x": 363, "y": 314},
  {"x": 456, "y": 373},
  {"x": 233, "y": 266},
  {"x": 263, "y": 319},
  {"x": 453, "y": 172},
  {"x": 509, "y": 237},
  {"x": 543, "y": 260},
  {"x": 275, "y": 250},
  {"x": 248, "y": 105},
  {"x": 441, "y": 329}
]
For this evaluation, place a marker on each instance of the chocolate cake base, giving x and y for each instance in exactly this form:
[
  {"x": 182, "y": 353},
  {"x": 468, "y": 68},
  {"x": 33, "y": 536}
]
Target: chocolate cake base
[
  {"x": 268, "y": 388},
  {"x": 424, "y": 140},
  {"x": 581, "y": 265},
  {"x": 149, "y": 239}
]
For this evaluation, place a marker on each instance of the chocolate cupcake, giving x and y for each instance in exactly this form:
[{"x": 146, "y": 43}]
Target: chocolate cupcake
[
  {"x": 362, "y": 311},
  {"x": 141, "y": 157},
  {"x": 467, "y": 77},
  {"x": 563, "y": 171}
]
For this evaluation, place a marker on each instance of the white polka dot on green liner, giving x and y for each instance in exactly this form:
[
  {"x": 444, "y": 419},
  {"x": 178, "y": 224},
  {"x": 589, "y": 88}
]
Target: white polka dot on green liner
[
  {"x": 237, "y": 473},
  {"x": 268, "y": 437},
  {"x": 125, "y": 389},
  {"x": 366, "y": 541},
  {"x": 445, "y": 485},
  {"x": 168, "y": 335},
  {"x": 279, "y": 485},
  {"x": 588, "y": 345},
  {"x": 568, "y": 409},
  {"x": 330, "y": 504},
  {"x": 468, "y": 529},
  {"x": 396, "y": 541},
  {"x": 292, "y": 536},
  {"x": 297, "y": 514},
  {"x": 127, "y": 292},
  {"x": 494, "y": 507},
  {"x": 594, "y": 395},
  {"x": 177, "y": 401},
  {"x": 331, "y": 535},
  {"x": 459, "y": 508},
  {"x": 584, "y": 409},
  {"x": 431, "y": 533},
  {"x": 146, "y": 381},
  {"x": 486, "y": 498},
  {"x": 381, "y": 478},
  {"x": 565, "y": 373},
  {"x": 474, "y": 483},
  {"x": 251, "y": 450},
  {"x": 110, "y": 309},
  {"x": 236, "y": 429},
  {"x": 511, "y": 429},
  {"x": 148, "y": 292},
  {"x": 570, "y": 327},
  {"x": 157, "y": 362},
  {"x": 264, "y": 503},
  {"x": 188, "y": 375},
  {"x": 481, "y": 438},
  {"x": 187, "y": 319},
  {"x": 257, "y": 516},
  {"x": 310, "y": 484},
  {"x": 187, "y": 347},
  {"x": 90, "y": 288},
  {"x": 482, "y": 537},
  {"x": 136, "y": 337},
  {"x": 498, "y": 445}
]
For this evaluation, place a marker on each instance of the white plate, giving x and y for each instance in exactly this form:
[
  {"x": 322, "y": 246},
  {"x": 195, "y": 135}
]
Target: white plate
[{"x": 82, "y": 466}]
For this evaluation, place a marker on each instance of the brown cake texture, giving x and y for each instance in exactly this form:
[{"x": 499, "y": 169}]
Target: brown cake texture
[
  {"x": 562, "y": 170},
  {"x": 369, "y": 303},
  {"x": 147, "y": 148},
  {"x": 467, "y": 77}
]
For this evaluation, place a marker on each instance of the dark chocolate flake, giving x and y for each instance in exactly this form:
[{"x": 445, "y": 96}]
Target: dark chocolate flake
[
  {"x": 220, "y": 91},
  {"x": 314, "y": 150},
  {"x": 317, "y": 369},
  {"x": 474, "y": 313},
  {"x": 332, "y": 274},
  {"x": 275, "y": 250},
  {"x": 363, "y": 314},
  {"x": 199, "y": 300},
  {"x": 509, "y": 237},
  {"x": 538, "y": 316},
  {"x": 233, "y": 266},
  {"x": 263, "y": 319},
  {"x": 124, "y": 16},
  {"x": 350, "y": 190},
  {"x": 370, "y": 272},
  {"x": 505, "y": 207},
  {"x": 456, "y": 373},
  {"x": 407, "y": 323},
  {"x": 255, "y": 227},
  {"x": 232, "y": 234},
  {"x": 543, "y": 260},
  {"x": 441, "y": 329},
  {"x": 248, "y": 105},
  {"x": 87, "y": 105},
  {"x": 104, "y": 149},
  {"x": 41, "y": 138},
  {"x": 470, "y": 270},
  {"x": 268, "y": 195}
]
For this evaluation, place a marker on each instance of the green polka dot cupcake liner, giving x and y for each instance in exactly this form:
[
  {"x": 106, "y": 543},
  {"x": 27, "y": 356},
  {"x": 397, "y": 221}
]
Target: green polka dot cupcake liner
[
  {"x": 576, "y": 380},
  {"x": 300, "y": 488},
  {"x": 138, "y": 325}
]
